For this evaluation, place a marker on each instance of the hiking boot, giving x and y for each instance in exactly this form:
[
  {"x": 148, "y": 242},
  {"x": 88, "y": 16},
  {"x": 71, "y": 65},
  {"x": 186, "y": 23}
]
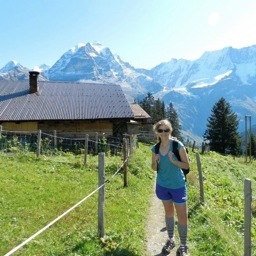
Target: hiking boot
[
  {"x": 182, "y": 251},
  {"x": 169, "y": 245}
]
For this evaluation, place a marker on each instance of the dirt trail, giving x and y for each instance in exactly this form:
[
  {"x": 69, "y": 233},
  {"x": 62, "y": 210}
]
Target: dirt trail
[{"x": 156, "y": 234}]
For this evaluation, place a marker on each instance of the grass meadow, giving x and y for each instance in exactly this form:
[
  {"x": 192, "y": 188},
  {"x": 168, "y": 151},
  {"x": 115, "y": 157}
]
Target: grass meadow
[{"x": 34, "y": 191}]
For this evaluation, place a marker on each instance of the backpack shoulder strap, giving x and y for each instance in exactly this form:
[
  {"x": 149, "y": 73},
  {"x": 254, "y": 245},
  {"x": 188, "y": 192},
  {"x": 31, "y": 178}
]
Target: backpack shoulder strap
[
  {"x": 175, "y": 149},
  {"x": 157, "y": 146}
]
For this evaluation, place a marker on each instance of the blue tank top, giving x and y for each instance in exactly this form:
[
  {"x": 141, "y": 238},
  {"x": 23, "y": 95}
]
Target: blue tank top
[{"x": 169, "y": 175}]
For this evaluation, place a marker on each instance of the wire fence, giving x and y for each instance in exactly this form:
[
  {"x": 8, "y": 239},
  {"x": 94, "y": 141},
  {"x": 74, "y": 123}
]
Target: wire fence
[
  {"x": 100, "y": 220},
  {"x": 14, "y": 141},
  {"x": 249, "y": 207},
  {"x": 45, "y": 143}
]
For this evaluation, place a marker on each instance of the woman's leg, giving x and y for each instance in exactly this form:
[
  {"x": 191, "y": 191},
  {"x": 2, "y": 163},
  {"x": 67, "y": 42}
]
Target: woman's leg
[
  {"x": 168, "y": 208},
  {"x": 182, "y": 215},
  {"x": 169, "y": 218}
]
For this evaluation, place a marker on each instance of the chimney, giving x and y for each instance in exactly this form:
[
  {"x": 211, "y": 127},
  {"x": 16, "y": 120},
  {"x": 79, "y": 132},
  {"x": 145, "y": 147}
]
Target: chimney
[{"x": 33, "y": 86}]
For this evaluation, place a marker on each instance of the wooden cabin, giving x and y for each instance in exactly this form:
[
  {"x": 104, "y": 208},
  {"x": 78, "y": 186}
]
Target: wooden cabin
[{"x": 71, "y": 109}]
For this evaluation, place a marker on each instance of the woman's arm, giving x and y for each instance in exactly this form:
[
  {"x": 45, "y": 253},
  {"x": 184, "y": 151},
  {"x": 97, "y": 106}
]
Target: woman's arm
[
  {"x": 184, "y": 157},
  {"x": 184, "y": 160},
  {"x": 155, "y": 161}
]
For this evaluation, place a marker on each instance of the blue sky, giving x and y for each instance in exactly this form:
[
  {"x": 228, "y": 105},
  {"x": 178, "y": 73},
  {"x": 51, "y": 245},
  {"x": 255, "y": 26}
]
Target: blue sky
[{"x": 142, "y": 32}]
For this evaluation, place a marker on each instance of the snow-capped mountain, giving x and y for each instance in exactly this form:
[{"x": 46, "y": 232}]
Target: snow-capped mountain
[
  {"x": 14, "y": 71},
  {"x": 95, "y": 62},
  {"x": 11, "y": 64},
  {"x": 207, "y": 70},
  {"x": 192, "y": 86},
  {"x": 195, "y": 86},
  {"x": 42, "y": 68}
]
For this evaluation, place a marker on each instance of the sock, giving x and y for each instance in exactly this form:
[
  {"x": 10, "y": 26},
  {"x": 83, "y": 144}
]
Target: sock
[
  {"x": 183, "y": 233},
  {"x": 170, "y": 226}
]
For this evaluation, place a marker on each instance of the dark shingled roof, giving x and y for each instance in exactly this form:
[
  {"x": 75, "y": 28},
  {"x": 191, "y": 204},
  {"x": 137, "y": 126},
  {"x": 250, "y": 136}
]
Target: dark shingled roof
[
  {"x": 139, "y": 112},
  {"x": 62, "y": 101}
]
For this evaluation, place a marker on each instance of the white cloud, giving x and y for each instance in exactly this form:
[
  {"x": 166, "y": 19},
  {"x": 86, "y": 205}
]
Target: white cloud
[
  {"x": 213, "y": 18},
  {"x": 244, "y": 32},
  {"x": 241, "y": 34}
]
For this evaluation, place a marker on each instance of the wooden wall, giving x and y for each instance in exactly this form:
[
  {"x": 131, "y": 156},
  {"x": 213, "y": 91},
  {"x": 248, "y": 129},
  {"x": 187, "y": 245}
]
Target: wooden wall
[
  {"x": 63, "y": 128},
  {"x": 77, "y": 128},
  {"x": 20, "y": 126}
]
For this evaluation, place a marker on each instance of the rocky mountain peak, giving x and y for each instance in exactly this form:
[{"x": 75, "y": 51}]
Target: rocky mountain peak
[{"x": 192, "y": 86}]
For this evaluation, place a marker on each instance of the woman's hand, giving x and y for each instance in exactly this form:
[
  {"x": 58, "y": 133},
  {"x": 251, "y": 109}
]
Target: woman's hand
[
  {"x": 183, "y": 163},
  {"x": 172, "y": 157},
  {"x": 157, "y": 158}
]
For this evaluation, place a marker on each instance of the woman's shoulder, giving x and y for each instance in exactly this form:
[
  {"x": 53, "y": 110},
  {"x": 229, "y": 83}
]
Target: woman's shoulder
[
  {"x": 179, "y": 143},
  {"x": 155, "y": 147}
]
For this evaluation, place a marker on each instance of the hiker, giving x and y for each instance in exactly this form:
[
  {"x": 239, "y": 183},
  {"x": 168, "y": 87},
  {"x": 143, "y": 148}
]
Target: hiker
[{"x": 171, "y": 185}]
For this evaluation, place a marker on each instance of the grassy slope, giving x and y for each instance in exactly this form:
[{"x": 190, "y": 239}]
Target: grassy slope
[
  {"x": 35, "y": 191},
  {"x": 217, "y": 227}
]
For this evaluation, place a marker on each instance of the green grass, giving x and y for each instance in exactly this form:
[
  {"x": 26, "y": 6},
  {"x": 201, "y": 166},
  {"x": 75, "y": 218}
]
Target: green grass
[
  {"x": 217, "y": 227},
  {"x": 35, "y": 191}
]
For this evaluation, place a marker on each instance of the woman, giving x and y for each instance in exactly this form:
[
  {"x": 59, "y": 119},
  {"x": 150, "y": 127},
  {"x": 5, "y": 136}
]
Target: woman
[{"x": 171, "y": 185}]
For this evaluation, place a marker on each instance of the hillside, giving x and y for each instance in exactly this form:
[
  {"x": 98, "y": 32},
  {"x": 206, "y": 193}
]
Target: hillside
[
  {"x": 220, "y": 221},
  {"x": 192, "y": 86},
  {"x": 37, "y": 190}
]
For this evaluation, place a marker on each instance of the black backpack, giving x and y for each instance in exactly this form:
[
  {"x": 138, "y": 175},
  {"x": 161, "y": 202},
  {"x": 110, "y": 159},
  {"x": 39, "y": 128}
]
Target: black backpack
[{"x": 175, "y": 152}]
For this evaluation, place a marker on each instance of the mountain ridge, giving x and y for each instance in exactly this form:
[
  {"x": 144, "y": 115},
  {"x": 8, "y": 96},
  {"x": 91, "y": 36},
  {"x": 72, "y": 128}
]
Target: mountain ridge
[{"x": 192, "y": 86}]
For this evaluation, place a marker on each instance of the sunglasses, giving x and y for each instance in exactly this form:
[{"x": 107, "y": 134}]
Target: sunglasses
[{"x": 162, "y": 130}]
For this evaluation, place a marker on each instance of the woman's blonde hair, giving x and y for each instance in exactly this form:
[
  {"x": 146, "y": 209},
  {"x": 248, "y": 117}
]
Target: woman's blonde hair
[{"x": 162, "y": 122}]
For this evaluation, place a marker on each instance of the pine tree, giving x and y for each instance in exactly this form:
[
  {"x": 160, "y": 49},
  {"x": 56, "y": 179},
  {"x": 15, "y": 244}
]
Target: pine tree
[
  {"x": 155, "y": 108},
  {"x": 148, "y": 103},
  {"x": 159, "y": 110},
  {"x": 253, "y": 146},
  {"x": 222, "y": 129},
  {"x": 172, "y": 116}
]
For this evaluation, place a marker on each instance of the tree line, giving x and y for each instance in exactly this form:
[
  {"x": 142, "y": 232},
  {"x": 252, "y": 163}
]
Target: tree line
[
  {"x": 157, "y": 110},
  {"x": 221, "y": 133}
]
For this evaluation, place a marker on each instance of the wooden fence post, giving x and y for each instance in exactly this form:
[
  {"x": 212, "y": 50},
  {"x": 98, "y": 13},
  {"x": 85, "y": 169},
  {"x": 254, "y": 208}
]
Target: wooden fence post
[
  {"x": 86, "y": 148},
  {"x": 135, "y": 141},
  {"x": 55, "y": 139},
  {"x": 203, "y": 147},
  {"x": 130, "y": 143},
  {"x": 201, "y": 184},
  {"x": 194, "y": 145},
  {"x": 247, "y": 216},
  {"x": 1, "y": 129},
  {"x": 101, "y": 197},
  {"x": 125, "y": 152},
  {"x": 39, "y": 140},
  {"x": 96, "y": 142}
]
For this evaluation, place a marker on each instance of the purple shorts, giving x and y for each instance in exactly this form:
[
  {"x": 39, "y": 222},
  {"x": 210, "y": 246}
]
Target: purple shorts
[{"x": 178, "y": 196}]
